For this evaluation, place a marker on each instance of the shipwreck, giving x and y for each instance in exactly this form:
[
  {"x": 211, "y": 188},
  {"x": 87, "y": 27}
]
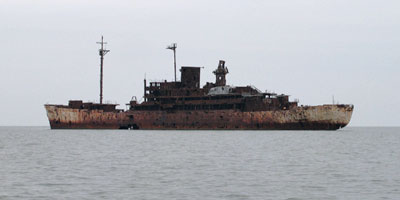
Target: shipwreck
[{"x": 185, "y": 104}]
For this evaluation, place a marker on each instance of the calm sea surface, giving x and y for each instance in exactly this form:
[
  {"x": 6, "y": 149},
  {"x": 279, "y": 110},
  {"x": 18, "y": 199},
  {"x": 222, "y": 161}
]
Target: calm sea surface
[{"x": 353, "y": 163}]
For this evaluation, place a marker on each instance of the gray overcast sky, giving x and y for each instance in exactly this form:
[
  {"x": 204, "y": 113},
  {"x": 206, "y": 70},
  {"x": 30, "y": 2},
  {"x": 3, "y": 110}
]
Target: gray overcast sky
[{"x": 310, "y": 49}]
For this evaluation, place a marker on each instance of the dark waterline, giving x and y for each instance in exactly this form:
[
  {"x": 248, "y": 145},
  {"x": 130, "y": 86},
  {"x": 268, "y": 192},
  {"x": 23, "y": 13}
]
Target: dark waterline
[{"x": 352, "y": 163}]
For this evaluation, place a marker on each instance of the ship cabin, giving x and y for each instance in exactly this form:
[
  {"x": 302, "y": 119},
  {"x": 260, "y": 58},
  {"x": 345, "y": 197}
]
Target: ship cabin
[{"x": 188, "y": 95}]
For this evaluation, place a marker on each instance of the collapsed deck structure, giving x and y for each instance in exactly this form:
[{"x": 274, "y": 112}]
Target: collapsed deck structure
[{"x": 185, "y": 105}]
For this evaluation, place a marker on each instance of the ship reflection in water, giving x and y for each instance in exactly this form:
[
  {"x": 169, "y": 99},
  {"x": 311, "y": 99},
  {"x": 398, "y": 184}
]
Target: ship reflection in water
[{"x": 185, "y": 105}]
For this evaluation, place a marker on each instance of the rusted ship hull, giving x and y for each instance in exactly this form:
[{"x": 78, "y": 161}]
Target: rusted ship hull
[
  {"x": 324, "y": 117},
  {"x": 70, "y": 118}
]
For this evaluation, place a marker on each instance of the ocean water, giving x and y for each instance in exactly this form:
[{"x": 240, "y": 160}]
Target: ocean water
[{"x": 353, "y": 163}]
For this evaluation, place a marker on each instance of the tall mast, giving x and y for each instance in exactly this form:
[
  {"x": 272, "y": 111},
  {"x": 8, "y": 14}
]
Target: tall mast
[
  {"x": 102, "y": 53},
  {"x": 173, "y": 47}
]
